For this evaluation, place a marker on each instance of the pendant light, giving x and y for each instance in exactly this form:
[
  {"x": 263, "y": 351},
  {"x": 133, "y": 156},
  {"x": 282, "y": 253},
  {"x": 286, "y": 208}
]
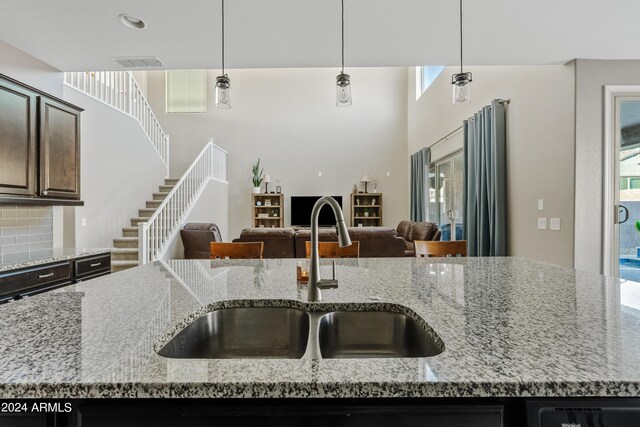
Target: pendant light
[
  {"x": 461, "y": 80},
  {"x": 343, "y": 81},
  {"x": 223, "y": 84}
]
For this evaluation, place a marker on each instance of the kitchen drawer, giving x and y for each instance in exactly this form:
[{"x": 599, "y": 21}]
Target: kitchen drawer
[
  {"x": 86, "y": 267},
  {"x": 49, "y": 274},
  {"x": 31, "y": 280}
]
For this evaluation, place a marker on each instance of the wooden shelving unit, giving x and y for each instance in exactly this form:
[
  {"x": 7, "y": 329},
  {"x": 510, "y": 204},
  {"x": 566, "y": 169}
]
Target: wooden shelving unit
[
  {"x": 267, "y": 210},
  {"x": 366, "y": 209}
]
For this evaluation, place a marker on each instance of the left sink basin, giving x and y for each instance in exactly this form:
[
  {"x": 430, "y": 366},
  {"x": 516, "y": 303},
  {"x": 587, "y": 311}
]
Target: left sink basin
[{"x": 242, "y": 333}]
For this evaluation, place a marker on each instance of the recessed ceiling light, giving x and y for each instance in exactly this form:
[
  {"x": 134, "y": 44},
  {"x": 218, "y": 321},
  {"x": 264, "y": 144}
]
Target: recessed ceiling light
[{"x": 132, "y": 22}]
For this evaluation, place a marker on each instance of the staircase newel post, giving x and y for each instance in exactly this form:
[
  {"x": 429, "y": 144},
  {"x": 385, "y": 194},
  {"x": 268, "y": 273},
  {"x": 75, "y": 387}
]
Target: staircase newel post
[{"x": 143, "y": 251}]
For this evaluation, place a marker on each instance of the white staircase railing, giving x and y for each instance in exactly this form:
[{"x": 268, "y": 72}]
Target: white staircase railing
[
  {"x": 156, "y": 233},
  {"x": 119, "y": 90}
]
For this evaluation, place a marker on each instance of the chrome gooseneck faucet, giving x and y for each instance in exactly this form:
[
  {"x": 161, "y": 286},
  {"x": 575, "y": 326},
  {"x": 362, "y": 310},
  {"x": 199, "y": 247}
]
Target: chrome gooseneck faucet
[{"x": 315, "y": 282}]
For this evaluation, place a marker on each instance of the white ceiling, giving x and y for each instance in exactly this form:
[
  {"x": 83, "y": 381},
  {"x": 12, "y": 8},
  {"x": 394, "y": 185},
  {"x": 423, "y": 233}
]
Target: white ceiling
[{"x": 85, "y": 34}]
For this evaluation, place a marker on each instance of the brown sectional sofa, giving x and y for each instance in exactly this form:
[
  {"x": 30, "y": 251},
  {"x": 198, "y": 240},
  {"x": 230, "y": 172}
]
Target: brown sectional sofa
[{"x": 375, "y": 242}]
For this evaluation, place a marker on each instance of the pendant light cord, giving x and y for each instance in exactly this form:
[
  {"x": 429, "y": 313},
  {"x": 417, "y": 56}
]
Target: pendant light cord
[
  {"x": 460, "y": 36},
  {"x": 223, "y": 37},
  {"x": 342, "y": 1}
]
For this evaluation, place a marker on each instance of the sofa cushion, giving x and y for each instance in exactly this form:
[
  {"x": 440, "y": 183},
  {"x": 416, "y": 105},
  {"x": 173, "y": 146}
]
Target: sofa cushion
[
  {"x": 423, "y": 231},
  {"x": 411, "y": 231},
  {"x": 404, "y": 229},
  {"x": 271, "y": 233},
  {"x": 278, "y": 242},
  {"x": 196, "y": 238}
]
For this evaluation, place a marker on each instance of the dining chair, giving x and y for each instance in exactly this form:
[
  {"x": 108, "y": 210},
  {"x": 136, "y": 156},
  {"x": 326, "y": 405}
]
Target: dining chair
[
  {"x": 333, "y": 250},
  {"x": 239, "y": 250},
  {"x": 425, "y": 248}
]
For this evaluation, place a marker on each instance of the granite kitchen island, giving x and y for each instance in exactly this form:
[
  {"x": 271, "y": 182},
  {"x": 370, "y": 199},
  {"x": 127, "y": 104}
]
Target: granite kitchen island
[{"x": 510, "y": 328}]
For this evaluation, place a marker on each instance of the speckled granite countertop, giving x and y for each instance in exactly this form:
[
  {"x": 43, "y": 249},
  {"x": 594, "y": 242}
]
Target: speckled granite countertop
[
  {"x": 511, "y": 327},
  {"x": 46, "y": 256}
]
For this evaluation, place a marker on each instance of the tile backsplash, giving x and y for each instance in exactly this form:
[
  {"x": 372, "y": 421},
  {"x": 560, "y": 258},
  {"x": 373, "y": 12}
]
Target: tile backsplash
[{"x": 25, "y": 229}]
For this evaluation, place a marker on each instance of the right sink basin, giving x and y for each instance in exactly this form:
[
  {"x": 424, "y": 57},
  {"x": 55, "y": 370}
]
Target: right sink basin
[{"x": 374, "y": 334}]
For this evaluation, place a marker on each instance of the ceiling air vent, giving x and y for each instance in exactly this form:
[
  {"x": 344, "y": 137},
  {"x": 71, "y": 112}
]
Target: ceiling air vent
[{"x": 140, "y": 62}]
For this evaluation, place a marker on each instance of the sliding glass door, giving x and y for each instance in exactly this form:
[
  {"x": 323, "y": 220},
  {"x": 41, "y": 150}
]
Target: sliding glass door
[
  {"x": 445, "y": 195},
  {"x": 627, "y": 178}
]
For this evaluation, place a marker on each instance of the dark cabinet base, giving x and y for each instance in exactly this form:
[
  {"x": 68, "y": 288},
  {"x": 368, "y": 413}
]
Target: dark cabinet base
[
  {"x": 45, "y": 277},
  {"x": 434, "y": 412}
]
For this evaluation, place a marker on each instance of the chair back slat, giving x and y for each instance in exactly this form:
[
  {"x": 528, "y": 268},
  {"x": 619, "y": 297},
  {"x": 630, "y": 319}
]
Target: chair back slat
[
  {"x": 238, "y": 250},
  {"x": 333, "y": 250},
  {"x": 426, "y": 248}
]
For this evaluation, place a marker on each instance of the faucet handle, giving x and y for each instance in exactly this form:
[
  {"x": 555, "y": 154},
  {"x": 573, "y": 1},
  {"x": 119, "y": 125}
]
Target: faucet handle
[{"x": 328, "y": 284}]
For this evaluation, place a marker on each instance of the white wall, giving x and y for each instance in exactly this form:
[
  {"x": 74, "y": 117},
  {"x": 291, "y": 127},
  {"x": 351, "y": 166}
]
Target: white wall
[
  {"x": 591, "y": 77},
  {"x": 120, "y": 171},
  {"x": 540, "y": 145},
  {"x": 288, "y": 118},
  {"x": 213, "y": 203},
  {"x": 27, "y": 69}
]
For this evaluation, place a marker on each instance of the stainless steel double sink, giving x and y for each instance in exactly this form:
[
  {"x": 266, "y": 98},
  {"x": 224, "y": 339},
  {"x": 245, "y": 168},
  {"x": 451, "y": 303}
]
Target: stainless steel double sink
[{"x": 291, "y": 333}]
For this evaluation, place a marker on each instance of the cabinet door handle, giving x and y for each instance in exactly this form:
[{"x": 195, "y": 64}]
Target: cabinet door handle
[
  {"x": 96, "y": 264},
  {"x": 44, "y": 276}
]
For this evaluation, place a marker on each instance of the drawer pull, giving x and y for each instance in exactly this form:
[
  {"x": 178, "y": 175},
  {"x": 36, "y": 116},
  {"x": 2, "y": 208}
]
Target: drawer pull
[
  {"x": 96, "y": 264},
  {"x": 44, "y": 276}
]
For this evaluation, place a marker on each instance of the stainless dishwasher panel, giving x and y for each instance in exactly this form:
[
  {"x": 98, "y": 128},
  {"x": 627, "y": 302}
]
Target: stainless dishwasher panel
[{"x": 587, "y": 412}]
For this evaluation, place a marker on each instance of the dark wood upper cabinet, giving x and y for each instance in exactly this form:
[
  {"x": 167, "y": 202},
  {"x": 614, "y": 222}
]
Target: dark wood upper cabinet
[
  {"x": 59, "y": 150},
  {"x": 39, "y": 146},
  {"x": 17, "y": 140}
]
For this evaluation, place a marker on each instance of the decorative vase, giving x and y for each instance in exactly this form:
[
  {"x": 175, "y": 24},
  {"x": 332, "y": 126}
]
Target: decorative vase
[
  {"x": 366, "y": 214},
  {"x": 256, "y": 190}
]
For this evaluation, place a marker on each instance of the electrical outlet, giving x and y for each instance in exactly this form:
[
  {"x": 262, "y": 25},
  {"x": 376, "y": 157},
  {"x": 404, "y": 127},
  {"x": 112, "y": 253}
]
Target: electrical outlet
[
  {"x": 84, "y": 222},
  {"x": 388, "y": 173},
  {"x": 542, "y": 223},
  {"x": 554, "y": 224},
  {"x": 319, "y": 173},
  {"x": 540, "y": 204}
]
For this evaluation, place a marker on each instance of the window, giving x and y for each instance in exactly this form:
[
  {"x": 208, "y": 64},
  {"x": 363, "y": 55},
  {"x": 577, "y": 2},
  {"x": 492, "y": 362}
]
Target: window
[
  {"x": 446, "y": 181},
  {"x": 425, "y": 76},
  {"x": 624, "y": 183},
  {"x": 186, "y": 91},
  {"x": 634, "y": 183}
]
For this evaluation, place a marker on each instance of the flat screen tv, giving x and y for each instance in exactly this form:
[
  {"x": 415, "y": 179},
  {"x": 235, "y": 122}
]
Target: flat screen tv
[{"x": 301, "y": 207}]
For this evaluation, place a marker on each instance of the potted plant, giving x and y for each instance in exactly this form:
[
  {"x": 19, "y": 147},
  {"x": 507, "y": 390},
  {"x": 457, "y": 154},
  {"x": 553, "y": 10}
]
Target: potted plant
[{"x": 257, "y": 177}]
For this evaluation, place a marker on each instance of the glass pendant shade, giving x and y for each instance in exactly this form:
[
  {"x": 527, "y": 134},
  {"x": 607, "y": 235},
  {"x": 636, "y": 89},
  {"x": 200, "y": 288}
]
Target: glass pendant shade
[
  {"x": 343, "y": 90},
  {"x": 223, "y": 92},
  {"x": 461, "y": 94},
  {"x": 461, "y": 88}
]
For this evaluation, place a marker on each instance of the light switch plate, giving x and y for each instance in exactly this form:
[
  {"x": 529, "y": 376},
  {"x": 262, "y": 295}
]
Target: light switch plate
[
  {"x": 542, "y": 223},
  {"x": 540, "y": 204},
  {"x": 554, "y": 224},
  {"x": 84, "y": 222}
]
